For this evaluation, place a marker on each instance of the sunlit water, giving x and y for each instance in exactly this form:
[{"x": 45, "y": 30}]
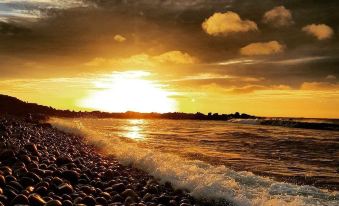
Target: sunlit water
[{"x": 240, "y": 163}]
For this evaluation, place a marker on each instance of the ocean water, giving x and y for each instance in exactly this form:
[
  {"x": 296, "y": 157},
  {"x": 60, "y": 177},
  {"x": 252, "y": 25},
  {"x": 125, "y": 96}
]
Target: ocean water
[{"x": 242, "y": 164}]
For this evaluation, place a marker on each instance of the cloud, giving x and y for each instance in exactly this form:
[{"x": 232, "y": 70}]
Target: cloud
[
  {"x": 223, "y": 24},
  {"x": 252, "y": 88},
  {"x": 320, "y": 31},
  {"x": 262, "y": 48},
  {"x": 320, "y": 86},
  {"x": 331, "y": 77},
  {"x": 31, "y": 10},
  {"x": 175, "y": 57},
  {"x": 119, "y": 38},
  {"x": 144, "y": 60},
  {"x": 278, "y": 17}
]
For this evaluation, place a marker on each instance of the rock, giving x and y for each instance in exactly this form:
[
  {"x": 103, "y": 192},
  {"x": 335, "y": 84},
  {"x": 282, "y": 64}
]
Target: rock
[
  {"x": 105, "y": 195},
  {"x": 57, "y": 181},
  {"x": 101, "y": 201},
  {"x": 6, "y": 154},
  {"x": 63, "y": 160},
  {"x": 87, "y": 189},
  {"x": 20, "y": 200},
  {"x": 6, "y": 170},
  {"x": 34, "y": 176},
  {"x": 185, "y": 204},
  {"x": 36, "y": 200},
  {"x": 43, "y": 191},
  {"x": 25, "y": 158},
  {"x": 10, "y": 178},
  {"x": 164, "y": 199},
  {"x": 26, "y": 181},
  {"x": 70, "y": 175},
  {"x": 16, "y": 185},
  {"x": 120, "y": 187},
  {"x": 147, "y": 197},
  {"x": 89, "y": 201},
  {"x": 32, "y": 148},
  {"x": 67, "y": 203},
  {"x": 129, "y": 201},
  {"x": 117, "y": 198},
  {"x": 173, "y": 203},
  {"x": 53, "y": 203},
  {"x": 3, "y": 199},
  {"x": 130, "y": 193},
  {"x": 65, "y": 188},
  {"x": 2, "y": 180}
]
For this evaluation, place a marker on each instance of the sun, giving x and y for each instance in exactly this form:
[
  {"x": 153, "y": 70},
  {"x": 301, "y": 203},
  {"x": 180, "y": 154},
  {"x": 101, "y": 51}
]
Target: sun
[{"x": 129, "y": 91}]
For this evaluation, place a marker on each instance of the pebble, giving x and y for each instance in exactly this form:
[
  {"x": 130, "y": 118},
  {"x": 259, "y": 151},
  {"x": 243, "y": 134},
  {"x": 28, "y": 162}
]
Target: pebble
[
  {"x": 53, "y": 203},
  {"x": 20, "y": 200}
]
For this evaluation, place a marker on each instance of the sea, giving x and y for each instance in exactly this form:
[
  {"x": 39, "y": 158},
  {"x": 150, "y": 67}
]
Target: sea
[{"x": 236, "y": 162}]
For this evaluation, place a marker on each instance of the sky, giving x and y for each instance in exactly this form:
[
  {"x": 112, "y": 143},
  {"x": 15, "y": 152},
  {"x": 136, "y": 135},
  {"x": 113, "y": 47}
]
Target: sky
[{"x": 273, "y": 58}]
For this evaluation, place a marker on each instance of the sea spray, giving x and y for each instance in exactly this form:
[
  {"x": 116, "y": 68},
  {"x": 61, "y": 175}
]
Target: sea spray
[{"x": 203, "y": 180}]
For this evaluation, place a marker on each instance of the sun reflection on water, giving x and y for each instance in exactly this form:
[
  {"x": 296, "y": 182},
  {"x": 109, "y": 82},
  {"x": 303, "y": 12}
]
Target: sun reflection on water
[{"x": 134, "y": 129}]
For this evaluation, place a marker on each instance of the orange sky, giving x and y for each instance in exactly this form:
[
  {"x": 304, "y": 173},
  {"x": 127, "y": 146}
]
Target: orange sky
[{"x": 148, "y": 56}]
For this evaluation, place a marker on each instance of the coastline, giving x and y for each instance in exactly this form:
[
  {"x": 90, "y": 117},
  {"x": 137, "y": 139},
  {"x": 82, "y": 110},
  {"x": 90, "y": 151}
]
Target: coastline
[{"x": 40, "y": 165}]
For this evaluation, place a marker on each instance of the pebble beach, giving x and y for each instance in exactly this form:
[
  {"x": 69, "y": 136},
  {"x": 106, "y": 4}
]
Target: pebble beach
[{"x": 40, "y": 165}]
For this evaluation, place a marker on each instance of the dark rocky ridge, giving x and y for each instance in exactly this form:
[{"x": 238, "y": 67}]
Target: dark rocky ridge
[{"x": 40, "y": 165}]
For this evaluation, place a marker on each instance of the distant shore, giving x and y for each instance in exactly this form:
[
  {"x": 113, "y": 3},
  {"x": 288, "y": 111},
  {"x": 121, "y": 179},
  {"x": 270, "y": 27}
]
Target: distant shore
[{"x": 40, "y": 165}]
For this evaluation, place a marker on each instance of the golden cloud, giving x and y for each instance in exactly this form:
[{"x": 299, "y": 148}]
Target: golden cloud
[
  {"x": 175, "y": 57},
  {"x": 262, "y": 48},
  {"x": 145, "y": 60},
  {"x": 223, "y": 24},
  {"x": 320, "y": 31},
  {"x": 119, "y": 38},
  {"x": 278, "y": 17},
  {"x": 252, "y": 88},
  {"x": 319, "y": 86}
]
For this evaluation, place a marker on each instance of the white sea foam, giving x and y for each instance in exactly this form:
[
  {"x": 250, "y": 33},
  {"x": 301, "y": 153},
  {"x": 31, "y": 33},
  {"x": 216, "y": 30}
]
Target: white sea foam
[{"x": 202, "y": 179}]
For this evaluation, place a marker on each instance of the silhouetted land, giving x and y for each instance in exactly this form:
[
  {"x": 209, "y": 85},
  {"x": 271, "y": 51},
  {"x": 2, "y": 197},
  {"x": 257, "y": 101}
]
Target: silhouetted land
[{"x": 13, "y": 106}]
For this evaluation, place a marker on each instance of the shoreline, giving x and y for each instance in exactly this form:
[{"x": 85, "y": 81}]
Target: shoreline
[{"x": 40, "y": 165}]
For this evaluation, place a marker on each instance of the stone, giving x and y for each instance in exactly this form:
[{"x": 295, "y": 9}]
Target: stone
[
  {"x": 65, "y": 188},
  {"x": 2, "y": 180},
  {"x": 67, "y": 203},
  {"x": 89, "y": 201},
  {"x": 63, "y": 160},
  {"x": 20, "y": 200},
  {"x": 53, "y": 203},
  {"x": 32, "y": 148},
  {"x": 101, "y": 201},
  {"x": 120, "y": 187},
  {"x": 129, "y": 201},
  {"x": 43, "y": 191},
  {"x": 147, "y": 197},
  {"x": 130, "y": 193},
  {"x": 26, "y": 181},
  {"x": 70, "y": 175},
  {"x": 6, "y": 154},
  {"x": 36, "y": 200}
]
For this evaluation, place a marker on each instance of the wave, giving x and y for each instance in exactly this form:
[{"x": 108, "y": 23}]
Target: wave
[
  {"x": 293, "y": 123},
  {"x": 204, "y": 181}
]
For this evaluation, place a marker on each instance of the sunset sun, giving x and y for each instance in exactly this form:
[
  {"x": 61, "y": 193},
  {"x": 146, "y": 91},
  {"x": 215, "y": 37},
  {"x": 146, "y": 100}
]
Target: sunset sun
[{"x": 129, "y": 91}]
